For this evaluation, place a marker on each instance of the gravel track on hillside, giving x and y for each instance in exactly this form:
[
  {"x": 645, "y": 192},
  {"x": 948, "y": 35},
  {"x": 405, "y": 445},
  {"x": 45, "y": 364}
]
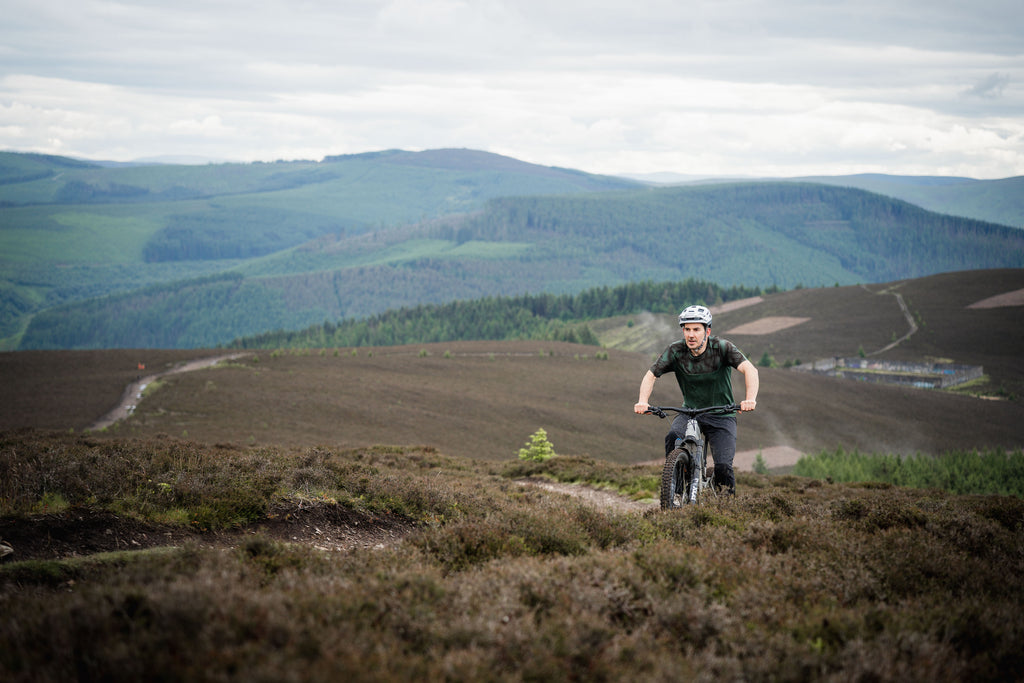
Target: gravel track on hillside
[{"x": 133, "y": 393}]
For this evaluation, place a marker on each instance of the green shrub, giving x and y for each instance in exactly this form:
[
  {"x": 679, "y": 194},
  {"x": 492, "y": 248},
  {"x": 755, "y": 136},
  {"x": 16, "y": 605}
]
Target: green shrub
[{"x": 538, "y": 448}]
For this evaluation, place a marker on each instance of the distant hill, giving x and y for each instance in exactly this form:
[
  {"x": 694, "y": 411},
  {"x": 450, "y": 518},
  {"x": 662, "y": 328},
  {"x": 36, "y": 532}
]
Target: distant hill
[
  {"x": 845, "y": 321},
  {"x": 72, "y": 230},
  {"x": 995, "y": 201},
  {"x": 195, "y": 256},
  {"x": 769, "y": 234}
]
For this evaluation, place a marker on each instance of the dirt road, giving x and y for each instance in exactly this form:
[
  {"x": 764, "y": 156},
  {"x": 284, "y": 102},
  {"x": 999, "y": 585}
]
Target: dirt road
[{"x": 133, "y": 393}]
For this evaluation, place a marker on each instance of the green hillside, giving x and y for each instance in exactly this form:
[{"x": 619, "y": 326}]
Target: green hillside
[
  {"x": 72, "y": 230},
  {"x": 539, "y": 317},
  {"x": 997, "y": 201},
  {"x": 186, "y": 256},
  {"x": 755, "y": 234},
  {"x": 751, "y": 235}
]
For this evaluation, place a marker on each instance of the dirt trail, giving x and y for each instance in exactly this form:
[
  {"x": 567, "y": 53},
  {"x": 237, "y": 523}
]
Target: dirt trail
[
  {"x": 80, "y": 532},
  {"x": 911, "y": 323},
  {"x": 592, "y": 496},
  {"x": 133, "y": 393}
]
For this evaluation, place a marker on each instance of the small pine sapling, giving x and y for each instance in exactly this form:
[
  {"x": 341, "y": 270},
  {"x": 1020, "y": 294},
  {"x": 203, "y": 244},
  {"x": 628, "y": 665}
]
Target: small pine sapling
[{"x": 538, "y": 448}]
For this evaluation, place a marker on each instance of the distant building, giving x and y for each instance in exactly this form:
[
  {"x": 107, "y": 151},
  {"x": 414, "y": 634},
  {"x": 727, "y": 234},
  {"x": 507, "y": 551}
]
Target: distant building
[{"x": 920, "y": 375}]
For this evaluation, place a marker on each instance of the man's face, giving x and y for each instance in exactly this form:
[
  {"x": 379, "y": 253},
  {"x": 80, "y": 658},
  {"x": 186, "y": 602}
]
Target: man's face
[{"x": 693, "y": 335}]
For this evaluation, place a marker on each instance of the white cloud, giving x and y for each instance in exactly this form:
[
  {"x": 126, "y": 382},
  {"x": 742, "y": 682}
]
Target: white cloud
[{"x": 731, "y": 86}]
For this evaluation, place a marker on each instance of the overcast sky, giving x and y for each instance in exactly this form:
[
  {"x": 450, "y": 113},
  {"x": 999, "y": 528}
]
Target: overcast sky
[{"x": 704, "y": 87}]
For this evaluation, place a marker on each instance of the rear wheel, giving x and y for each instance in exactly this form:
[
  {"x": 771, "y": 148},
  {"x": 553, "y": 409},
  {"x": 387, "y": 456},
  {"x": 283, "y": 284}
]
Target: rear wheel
[{"x": 674, "y": 479}]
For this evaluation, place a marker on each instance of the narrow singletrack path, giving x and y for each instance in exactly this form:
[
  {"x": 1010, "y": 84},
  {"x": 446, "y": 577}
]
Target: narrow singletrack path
[
  {"x": 133, "y": 392},
  {"x": 906, "y": 314},
  {"x": 593, "y": 496}
]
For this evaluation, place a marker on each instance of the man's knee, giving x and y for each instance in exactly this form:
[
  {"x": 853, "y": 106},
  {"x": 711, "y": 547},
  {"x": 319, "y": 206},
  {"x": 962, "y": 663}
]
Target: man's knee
[{"x": 670, "y": 442}]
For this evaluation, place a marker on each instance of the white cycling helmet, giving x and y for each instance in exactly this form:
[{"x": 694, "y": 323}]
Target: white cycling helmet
[{"x": 695, "y": 314}]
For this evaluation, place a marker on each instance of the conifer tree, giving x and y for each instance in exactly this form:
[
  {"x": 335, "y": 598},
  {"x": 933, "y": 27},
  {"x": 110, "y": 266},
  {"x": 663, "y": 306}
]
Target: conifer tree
[{"x": 538, "y": 448}]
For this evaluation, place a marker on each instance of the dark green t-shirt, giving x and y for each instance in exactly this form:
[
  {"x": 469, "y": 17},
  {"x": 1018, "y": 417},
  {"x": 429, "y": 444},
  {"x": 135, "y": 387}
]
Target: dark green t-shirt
[{"x": 705, "y": 380}]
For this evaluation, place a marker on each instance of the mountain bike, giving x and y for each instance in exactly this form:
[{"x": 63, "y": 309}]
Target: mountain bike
[{"x": 688, "y": 457}]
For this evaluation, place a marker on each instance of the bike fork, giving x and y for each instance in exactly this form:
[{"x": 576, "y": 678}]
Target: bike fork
[
  {"x": 696, "y": 470},
  {"x": 697, "y": 454},
  {"x": 696, "y": 464}
]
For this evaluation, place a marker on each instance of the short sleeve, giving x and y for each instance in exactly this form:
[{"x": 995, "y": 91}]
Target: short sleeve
[
  {"x": 663, "y": 364},
  {"x": 732, "y": 354}
]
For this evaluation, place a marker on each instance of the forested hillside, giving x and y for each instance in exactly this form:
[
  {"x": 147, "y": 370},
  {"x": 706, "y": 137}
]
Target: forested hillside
[
  {"x": 177, "y": 257},
  {"x": 543, "y": 316},
  {"x": 754, "y": 233},
  {"x": 996, "y": 201},
  {"x": 73, "y": 230},
  {"x": 751, "y": 235}
]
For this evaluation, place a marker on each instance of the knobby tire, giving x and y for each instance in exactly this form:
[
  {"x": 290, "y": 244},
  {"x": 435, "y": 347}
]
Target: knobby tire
[{"x": 673, "y": 476}]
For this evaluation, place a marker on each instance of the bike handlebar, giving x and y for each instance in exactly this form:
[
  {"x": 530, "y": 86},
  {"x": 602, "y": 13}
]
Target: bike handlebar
[{"x": 691, "y": 412}]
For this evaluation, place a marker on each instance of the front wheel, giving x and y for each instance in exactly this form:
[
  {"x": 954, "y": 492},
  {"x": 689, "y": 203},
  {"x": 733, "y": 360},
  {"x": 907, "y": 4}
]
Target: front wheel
[{"x": 674, "y": 479}]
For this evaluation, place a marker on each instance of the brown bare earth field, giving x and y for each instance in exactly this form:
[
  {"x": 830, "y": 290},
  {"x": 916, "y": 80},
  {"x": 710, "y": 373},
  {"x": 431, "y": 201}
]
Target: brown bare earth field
[
  {"x": 71, "y": 389},
  {"x": 469, "y": 404},
  {"x": 1015, "y": 298},
  {"x": 767, "y": 325},
  {"x": 484, "y": 399}
]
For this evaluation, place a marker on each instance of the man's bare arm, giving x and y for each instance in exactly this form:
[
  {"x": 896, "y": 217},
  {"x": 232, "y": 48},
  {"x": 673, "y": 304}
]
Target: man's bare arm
[
  {"x": 646, "y": 387},
  {"x": 752, "y": 383}
]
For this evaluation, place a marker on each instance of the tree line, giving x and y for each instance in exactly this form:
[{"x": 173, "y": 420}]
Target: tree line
[{"x": 551, "y": 317}]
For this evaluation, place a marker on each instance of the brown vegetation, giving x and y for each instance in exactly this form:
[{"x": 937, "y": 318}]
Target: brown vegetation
[
  {"x": 847, "y": 320},
  {"x": 483, "y": 578},
  {"x": 244, "y": 523},
  {"x": 483, "y": 399},
  {"x": 767, "y": 325},
  {"x": 72, "y": 389}
]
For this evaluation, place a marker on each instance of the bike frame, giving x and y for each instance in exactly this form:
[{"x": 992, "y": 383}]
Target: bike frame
[{"x": 694, "y": 487}]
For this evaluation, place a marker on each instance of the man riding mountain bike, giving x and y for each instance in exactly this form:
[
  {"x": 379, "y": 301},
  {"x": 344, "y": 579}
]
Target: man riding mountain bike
[{"x": 703, "y": 368}]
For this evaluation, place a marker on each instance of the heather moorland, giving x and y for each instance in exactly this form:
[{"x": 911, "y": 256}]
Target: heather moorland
[{"x": 310, "y": 514}]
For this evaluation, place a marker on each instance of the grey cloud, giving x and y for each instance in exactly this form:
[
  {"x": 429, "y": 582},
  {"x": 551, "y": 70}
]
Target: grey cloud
[{"x": 991, "y": 87}]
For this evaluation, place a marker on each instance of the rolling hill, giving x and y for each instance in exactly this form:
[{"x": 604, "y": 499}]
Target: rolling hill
[
  {"x": 996, "y": 201},
  {"x": 753, "y": 235},
  {"x": 190, "y": 257},
  {"x": 484, "y": 399},
  {"x": 72, "y": 230}
]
